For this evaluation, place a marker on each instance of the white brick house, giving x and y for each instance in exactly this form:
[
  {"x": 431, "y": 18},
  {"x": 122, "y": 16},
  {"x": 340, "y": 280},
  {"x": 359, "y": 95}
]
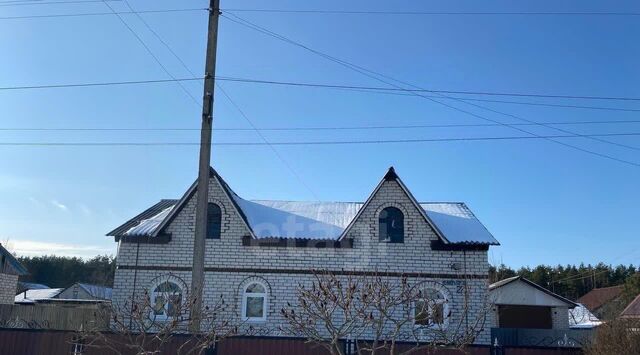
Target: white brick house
[{"x": 257, "y": 252}]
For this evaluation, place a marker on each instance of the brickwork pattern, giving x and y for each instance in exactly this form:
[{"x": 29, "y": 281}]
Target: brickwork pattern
[
  {"x": 368, "y": 254},
  {"x": 8, "y": 287}
]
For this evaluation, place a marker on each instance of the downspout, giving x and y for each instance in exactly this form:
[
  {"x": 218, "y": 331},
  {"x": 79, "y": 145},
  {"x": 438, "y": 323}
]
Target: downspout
[
  {"x": 466, "y": 291},
  {"x": 135, "y": 281}
]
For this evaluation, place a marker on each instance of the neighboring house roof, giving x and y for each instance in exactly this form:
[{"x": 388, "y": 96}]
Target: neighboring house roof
[
  {"x": 632, "y": 310},
  {"x": 32, "y": 296},
  {"x": 97, "y": 291},
  {"x": 454, "y": 222},
  {"x": 9, "y": 264},
  {"x": 581, "y": 318},
  {"x": 597, "y": 297},
  {"x": 511, "y": 280},
  {"x": 22, "y": 286}
]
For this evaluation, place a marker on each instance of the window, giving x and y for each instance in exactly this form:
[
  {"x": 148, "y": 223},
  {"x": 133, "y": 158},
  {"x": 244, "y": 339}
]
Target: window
[
  {"x": 391, "y": 225},
  {"x": 166, "y": 300},
  {"x": 254, "y": 302},
  {"x": 214, "y": 217},
  {"x": 431, "y": 308}
]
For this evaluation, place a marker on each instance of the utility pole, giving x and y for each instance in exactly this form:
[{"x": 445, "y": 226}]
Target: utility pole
[{"x": 197, "y": 273}]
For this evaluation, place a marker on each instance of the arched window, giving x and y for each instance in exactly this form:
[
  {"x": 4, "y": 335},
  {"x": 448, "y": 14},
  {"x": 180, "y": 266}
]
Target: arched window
[
  {"x": 254, "y": 302},
  {"x": 431, "y": 308},
  {"x": 214, "y": 221},
  {"x": 391, "y": 225},
  {"x": 166, "y": 300}
]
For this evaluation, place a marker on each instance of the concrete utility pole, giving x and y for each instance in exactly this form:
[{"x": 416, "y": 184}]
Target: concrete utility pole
[{"x": 197, "y": 274}]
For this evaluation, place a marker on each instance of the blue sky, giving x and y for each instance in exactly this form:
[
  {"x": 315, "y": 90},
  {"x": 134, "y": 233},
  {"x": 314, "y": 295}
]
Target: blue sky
[{"x": 546, "y": 203}]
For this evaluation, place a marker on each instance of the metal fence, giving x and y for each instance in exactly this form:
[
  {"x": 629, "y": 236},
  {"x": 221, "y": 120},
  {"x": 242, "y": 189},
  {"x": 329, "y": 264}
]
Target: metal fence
[
  {"x": 552, "y": 338},
  {"x": 51, "y": 316}
]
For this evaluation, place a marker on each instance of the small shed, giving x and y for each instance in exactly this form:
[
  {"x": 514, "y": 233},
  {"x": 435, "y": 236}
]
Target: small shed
[
  {"x": 520, "y": 303},
  {"x": 83, "y": 291}
]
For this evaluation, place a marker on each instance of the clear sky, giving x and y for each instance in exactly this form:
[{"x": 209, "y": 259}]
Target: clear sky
[{"x": 546, "y": 203}]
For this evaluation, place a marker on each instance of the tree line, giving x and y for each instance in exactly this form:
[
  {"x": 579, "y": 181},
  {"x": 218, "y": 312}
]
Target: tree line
[
  {"x": 570, "y": 281},
  {"x": 60, "y": 272}
]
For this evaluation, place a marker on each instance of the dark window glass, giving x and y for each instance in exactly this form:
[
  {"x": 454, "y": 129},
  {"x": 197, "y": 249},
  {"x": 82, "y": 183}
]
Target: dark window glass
[
  {"x": 214, "y": 220},
  {"x": 391, "y": 223}
]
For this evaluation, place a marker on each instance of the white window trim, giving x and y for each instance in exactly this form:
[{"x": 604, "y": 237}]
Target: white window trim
[
  {"x": 445, "y": 310},
  {"x": 265, "y": 306},
  {"x": 153, "y": 295}
]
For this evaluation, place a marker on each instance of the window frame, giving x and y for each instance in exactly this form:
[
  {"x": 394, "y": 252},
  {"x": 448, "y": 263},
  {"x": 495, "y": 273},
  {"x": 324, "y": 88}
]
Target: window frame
[
  {"x": 390, "y": 239},
  {"x": 153, "y": 296},
  {"x": 265, "y": 301},
  {"x": 218, "y": 232},
  {"x": 443, "y": 300}
]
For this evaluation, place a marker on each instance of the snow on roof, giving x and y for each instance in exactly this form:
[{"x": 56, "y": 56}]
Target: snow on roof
[
  {"x": 291, "y": 219},
  {"x": 327, "y": 220},
  {"x": 148, "y": 226},
  {"x": 32, "y": 296},
  {"x": 458, "y": 224},
  {"x": 581, "y": 318}
]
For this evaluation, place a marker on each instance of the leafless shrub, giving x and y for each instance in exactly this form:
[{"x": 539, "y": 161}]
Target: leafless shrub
[
  {"x": 385, "y": 315},
  {"x": 143, "y": 328},
  {"x": 620, "y": 336}
]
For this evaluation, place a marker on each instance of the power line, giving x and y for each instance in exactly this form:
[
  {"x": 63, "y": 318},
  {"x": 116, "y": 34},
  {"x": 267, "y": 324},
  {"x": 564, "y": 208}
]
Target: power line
[
  {"x": 106, "y": 83},
  {"x": 264, "y": 139},
  {"x": 157, "y": 60},
  {"x": 101, "y": 13},
  {"x": 377, "y": 76},
  {"x": 237, "y": 107},
  {"x": 392, "y": 89},
  {"x": 316, "y": 128},
  {"x": 437, "y": 13},
  {"x": 302, "y": 143},
  {"x": 56, "y": 2},
  {"x": 366, "y": 89}
]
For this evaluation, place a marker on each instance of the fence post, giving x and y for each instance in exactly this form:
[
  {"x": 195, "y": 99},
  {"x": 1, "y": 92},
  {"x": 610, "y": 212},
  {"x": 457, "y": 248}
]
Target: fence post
[{"x": 496, "y": 348}]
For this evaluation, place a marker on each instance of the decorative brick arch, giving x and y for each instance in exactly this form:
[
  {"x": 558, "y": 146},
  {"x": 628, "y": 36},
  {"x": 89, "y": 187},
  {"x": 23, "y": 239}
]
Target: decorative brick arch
[
  {"x": 224, "y": 215},
  {"x": 382, "y": 206},
  {"x": 268, "y": 294}
]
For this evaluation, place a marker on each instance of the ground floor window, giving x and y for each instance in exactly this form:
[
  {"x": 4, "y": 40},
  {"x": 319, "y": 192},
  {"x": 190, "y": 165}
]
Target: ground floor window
[
  {"x": 431, "y": 308},
  {"x": 166, "y": 300},
  {"x": 254, "y": 302}
]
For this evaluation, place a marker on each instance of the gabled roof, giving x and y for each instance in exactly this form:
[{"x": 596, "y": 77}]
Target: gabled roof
[
  {"x": 9, "y": 264},
  {"x": 598, "y": 297},
  {"x": 23, "y": 286},
  {"x": 632, "y": 310},
  {"x": 32, "y": 296},
  {"x": 511, "y": 280},
  {"x": 454, "y": 222},
  {"x": 581, "y": 318},
  {"x": 97, "y": 291},
  {"x": 146, "y": 214}
]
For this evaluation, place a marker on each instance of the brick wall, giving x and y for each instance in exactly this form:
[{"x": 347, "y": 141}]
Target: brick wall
[
  {"x": 8, "y": 287},
  {"x": 229, "y": 263}
]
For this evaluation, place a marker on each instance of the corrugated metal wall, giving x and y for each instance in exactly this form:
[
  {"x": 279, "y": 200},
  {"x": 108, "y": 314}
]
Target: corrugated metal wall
[{"x": 39, "y": 342}]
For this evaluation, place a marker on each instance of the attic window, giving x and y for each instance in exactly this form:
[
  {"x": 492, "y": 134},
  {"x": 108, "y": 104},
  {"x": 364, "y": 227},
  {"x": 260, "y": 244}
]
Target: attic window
[
  {"x": 214, "y": 221},
  {"x": 391, "y": 225}
]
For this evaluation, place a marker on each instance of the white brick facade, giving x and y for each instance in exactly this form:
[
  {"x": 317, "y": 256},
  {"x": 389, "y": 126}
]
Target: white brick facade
[
  {"x": 229, "y": 263},
  {"x": 8, "y": 287}
]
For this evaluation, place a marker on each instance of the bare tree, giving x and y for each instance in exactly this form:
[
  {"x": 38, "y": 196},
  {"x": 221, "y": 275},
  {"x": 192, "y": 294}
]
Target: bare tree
[
  {"x": 142, "y": 327},
  {"x": 619, "y": 336},
  {"x": 387, "y": 315}
]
